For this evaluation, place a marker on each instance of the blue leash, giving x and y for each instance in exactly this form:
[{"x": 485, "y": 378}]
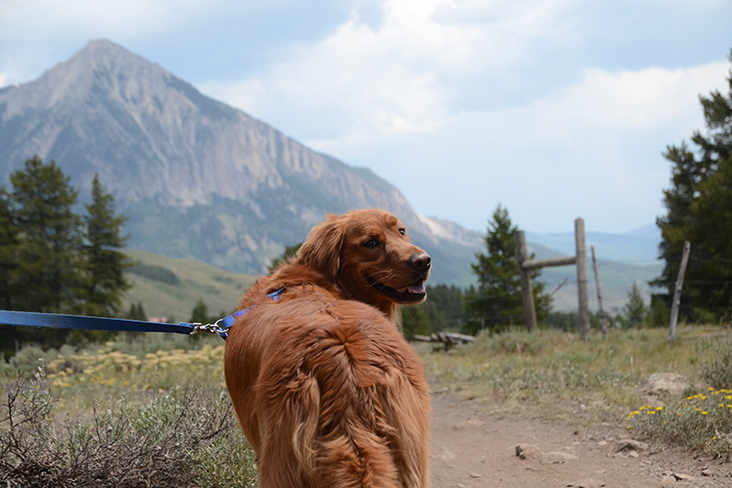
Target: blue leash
[{"x": 60, "y": 321}]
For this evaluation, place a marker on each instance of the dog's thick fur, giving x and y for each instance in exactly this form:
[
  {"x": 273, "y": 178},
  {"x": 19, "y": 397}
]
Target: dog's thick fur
[{"x": 327, "y": 391}]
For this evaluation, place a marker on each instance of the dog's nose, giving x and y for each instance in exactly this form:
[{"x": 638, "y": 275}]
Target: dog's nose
[{"x": 420, "y": 262}]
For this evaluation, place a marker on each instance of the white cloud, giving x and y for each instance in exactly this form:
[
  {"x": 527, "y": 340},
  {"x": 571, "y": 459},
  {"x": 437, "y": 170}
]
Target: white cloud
[
  {"x": 418, "y": 99},
  {"x": 398, "y": 78},
  {"x": 592, "y": 149}
]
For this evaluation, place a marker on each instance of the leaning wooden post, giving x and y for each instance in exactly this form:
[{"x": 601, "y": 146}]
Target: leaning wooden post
[
  {"x": 601, "y": 312},
  {"x": 527, "y": 293},
  {"x": 583, "y": 314},
  {"x": 677, "y": 292}
]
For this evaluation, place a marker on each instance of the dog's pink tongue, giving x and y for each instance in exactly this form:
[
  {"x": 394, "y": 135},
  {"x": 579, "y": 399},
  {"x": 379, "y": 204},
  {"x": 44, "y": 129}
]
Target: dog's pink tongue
[{"x": 417, "y": 289}]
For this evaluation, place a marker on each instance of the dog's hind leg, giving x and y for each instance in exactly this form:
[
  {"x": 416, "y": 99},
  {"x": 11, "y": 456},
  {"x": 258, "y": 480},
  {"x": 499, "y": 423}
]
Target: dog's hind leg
[{"x": 287, "y": 458}]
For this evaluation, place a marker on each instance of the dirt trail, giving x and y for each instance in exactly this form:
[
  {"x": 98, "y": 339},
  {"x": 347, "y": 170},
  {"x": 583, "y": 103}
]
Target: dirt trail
[{"x": 472, "y": 448}]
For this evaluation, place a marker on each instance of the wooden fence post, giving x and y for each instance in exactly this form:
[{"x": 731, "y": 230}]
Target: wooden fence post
[
  {"x": 527, "y": 293},
  {"x": 677, "y": 292},
  {"x": 601, "y": 312},
  {"x": 583, "y": 314}
]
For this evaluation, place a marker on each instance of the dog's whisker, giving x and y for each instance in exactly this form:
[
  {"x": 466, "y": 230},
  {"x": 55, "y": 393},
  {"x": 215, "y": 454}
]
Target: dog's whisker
[{"x": 381, "y": 281}]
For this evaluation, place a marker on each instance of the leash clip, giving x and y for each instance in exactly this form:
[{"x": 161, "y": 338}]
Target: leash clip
[{"x": 208, "y": 328}]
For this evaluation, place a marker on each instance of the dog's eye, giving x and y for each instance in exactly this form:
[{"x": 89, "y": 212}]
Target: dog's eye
[
  {"x": 371, "y": 244},
  {"x": 403, "y": 231}
]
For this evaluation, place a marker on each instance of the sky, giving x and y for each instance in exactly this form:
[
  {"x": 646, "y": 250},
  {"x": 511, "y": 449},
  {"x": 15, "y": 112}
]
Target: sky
[{"x": 556, "y": 109}]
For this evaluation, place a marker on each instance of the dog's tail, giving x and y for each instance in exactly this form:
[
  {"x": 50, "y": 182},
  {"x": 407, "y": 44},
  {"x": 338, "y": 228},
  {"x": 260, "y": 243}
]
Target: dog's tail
[{"x": 369, "y": 430}]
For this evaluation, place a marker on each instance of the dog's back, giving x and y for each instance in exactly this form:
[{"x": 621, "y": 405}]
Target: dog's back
[{"x": 328, "y": 393}]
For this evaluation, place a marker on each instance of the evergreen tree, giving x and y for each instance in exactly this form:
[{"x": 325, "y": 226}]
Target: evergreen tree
[
  {"x": 635, "y": 311},
  {"x": 136, "y": 312},
  {"x": 285, "y": 257},
  {"x": 415, "y": 321},
  {"x": 496, "y": 304},
  {"x": 49, "y": 241},
  {"x": 444, "y": 307},
  {"x": 200, "y": 314},
  {"x": 8, "y": 253},
  {"x": 106, "y": 280},
  {"x": 699, "y": 209}
]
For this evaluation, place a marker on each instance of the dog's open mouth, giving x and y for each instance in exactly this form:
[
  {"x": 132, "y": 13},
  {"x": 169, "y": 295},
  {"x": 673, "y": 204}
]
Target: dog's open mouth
[{"x": 409, "y": 294}]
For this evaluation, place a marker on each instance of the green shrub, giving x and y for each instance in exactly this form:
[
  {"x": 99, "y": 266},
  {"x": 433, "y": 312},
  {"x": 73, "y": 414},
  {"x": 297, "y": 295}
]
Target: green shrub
[
  {"x": 31, "y": 357},
  {"x": 716, "y": 367},
  {"x": 701, "y": 422}
]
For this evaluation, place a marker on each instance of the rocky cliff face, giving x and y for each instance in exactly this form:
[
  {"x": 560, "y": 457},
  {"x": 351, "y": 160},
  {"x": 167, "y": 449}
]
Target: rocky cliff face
[{"x": 200, "y": 179}]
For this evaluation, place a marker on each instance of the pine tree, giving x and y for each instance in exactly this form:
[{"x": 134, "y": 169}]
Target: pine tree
[
  {"x": 8, "y": 253},
  {"x": 496, "y": 304},
  {"x": 414, "y": 321},
  {"x": 49, "y": 241},
  {"x": 444, "y": 307},
  {"x": 200, "y": 313},
  {"x": 136, "y": 312},
  {"x": 635, "y": 311},
  {"x": 699, "y": 209},
  {"x": 285, "y": 257},
  {"x": 106, "y": 280}
]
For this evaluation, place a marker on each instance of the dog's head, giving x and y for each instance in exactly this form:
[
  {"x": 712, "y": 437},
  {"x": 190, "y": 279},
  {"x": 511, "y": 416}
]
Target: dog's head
[{"x": 368, "y": 254}]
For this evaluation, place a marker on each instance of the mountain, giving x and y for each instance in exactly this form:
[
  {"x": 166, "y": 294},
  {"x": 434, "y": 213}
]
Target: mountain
[
  {"x": 637, "y": 247},
  {"x": 199, "y": 179}
]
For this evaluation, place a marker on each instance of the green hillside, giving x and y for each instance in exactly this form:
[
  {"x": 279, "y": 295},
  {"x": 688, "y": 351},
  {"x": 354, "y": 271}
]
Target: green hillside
[
  {"x": 170, "y": 287},
  {"x": 616, "y": 280}
]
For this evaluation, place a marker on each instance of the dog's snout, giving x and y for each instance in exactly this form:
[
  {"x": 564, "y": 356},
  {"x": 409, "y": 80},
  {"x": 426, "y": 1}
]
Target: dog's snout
[{"x": 420, "y": 262}]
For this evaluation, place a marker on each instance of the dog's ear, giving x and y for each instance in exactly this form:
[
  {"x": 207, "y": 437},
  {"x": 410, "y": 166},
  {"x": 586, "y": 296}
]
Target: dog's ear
[{"x": 322, "y": 248}]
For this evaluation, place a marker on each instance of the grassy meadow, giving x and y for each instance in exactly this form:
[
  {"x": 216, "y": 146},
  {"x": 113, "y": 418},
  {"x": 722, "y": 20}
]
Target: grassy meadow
[
  {"x": 554, "y": 375},
  {"x": 152, "y": 409},
  {"x": 169, "y": 287}
]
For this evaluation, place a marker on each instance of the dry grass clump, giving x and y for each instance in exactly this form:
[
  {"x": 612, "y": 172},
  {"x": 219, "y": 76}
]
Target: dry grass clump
[
  {"x": 119, "y": 415},
  {"x": 551, "y": 373}
]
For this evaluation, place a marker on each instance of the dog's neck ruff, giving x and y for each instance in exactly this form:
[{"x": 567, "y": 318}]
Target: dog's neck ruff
[{"x": 226, "y": 323}]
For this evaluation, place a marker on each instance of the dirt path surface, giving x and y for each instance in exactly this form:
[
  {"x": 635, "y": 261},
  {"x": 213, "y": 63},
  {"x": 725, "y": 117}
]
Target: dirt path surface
[{"x": 473, "y": 448}]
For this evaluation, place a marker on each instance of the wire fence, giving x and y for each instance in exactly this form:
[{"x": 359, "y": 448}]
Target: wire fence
[{"x": 572, "y": 283}]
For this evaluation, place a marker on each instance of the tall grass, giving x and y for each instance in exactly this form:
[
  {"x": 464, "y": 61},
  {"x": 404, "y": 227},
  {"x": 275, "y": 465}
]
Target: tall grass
[
  {"x": 552, "y": 366},
  {"x": 119, "y": 415}
]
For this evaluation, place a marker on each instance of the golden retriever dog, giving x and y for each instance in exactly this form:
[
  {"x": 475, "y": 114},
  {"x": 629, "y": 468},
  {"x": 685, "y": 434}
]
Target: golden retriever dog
[{"x": 326, "y": 389}]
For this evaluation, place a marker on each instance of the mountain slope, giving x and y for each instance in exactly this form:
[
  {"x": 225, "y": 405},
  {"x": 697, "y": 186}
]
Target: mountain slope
[
  {"x": 220, "y": 290},
  {"x": 198, "y": 178}
]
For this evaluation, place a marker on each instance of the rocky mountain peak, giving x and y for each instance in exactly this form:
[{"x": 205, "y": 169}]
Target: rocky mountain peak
[{"x": 226, "y": 188}]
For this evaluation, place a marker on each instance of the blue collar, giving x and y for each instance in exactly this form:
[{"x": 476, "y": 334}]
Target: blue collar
[{"x": 227, "y": 322}]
